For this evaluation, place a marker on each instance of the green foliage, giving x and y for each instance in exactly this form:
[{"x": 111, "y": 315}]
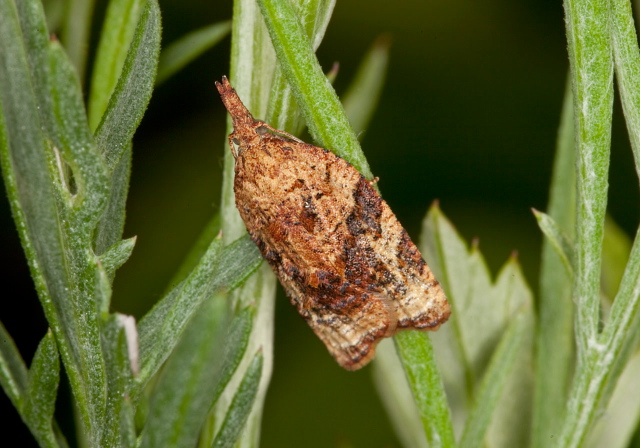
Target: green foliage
[
  {"x": 483, "y": 354},
  {"x": 117, "y": 33},
  {"x": 241, "y": 405},
  {"x": 218, "y": 269},
  {"x": 67, "y": 187},
  {"x": 40, "y": 394},
  {"x": 320, "y": 106},
  {"x": 133, "y": 89},
  {"x": 186, "y": 388},
  {"x": 195, "y": 369},
  {"x": 416, "y": 354}
]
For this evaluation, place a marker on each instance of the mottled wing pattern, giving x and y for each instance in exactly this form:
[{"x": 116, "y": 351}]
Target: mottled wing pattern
[
  {"x": 338, "y": 250},
  {"x": 343, "y": 258}
]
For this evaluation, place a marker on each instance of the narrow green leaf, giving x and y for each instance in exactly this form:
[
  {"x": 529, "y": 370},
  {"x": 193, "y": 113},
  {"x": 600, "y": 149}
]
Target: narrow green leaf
[
  {"x": 236, "y": 343},
  {"x": 41, "y": 392},
  {"x": 493, "y": 383},
  {"x": 393, "y": 388},
  {"x": 119, "y": 346},
  {"x": 616, "y": 342},
  {"x": 283, "y": 111},
  {"x": 13, "y": 371},
  {"x": 618, "y": 269},
  {"x": 615, "y": 254},
  {"x": 622, "y": 415},
  {"x": 590, "y": 57},
  {"x": 120, "y": 93},
  {"x": 26, "y": 162},
  {"x": 557, "y": 238},
  {"x": 160, "y": 328},
  {"x": 76, "y": 30},
  {"x": 361, "y": 99},
  {"x": 117, "y": 255},
  {"x": 417, "y": 357},
  {"x": 186, "y": 390},
  {"x": 24, "y": 153},
  {"x": 219, "y": 269},
  {"x": 627, "y": 65},
  {"x": 36, "y": 40},
  {"x": 259, "y": 293},
  {"x": 554, "y": 339},
  {"x": 188, "y": 48},
  {"x": 241, "y": 405},
  {"x": 21, "y": 386},
  {"x": 111, "y": 225},
  {"x": 241, "y": 259},
  {"x": 133, "y": 90},
  {"x": 595, "y": 380},
  {"x": 87, "y": 183},
  {"x": 116, "y": 36},
  {"x": 87, "y": 188},
  {"x": 591, "y": 61},
  {"x": 323, "y": 112}
]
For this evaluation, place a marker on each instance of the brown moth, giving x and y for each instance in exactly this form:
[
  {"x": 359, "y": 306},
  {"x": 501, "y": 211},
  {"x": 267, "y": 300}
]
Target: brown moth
[{"x": 341, "y": 255}]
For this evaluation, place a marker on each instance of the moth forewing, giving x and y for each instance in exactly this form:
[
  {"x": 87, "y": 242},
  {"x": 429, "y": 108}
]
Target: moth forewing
[{"x": 338, "y": 250}]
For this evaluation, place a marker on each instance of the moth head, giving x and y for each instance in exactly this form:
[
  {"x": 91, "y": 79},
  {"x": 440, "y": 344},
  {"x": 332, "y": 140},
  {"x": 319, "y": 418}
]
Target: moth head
[
  {"x": 232, "y": 102},
  {"x": 245, "y": 134}
]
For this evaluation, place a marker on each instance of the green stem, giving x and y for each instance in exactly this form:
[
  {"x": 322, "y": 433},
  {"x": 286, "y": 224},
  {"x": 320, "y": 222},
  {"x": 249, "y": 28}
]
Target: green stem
[
  {"x": 416, "y": 353},
  {"x": 590, "y": 55},
  {"x": 321, "y": 108}
]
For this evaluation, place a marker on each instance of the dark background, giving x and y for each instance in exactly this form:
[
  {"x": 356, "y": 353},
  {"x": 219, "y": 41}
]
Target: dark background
[{"x": 468, "y": 116}]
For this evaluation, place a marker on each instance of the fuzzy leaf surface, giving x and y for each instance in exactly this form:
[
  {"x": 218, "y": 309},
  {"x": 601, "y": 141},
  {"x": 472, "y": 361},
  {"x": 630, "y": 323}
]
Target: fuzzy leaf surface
[
  {"x": 241, "y": 405},
  {"x": 186, "y": 389},
  {"x": 115, "y": 39},
  {"x": 133, "y": 89},
  {"x": 41, "y": 392},
  {"x": 219, "y": 269}
]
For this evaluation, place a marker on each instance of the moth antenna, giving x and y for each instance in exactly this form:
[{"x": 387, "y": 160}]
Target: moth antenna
[{"x": 239, "y": 113}]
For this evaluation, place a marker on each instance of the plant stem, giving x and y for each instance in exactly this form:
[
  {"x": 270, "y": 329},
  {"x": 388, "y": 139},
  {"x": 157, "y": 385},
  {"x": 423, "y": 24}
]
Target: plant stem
[
  {"x": 321, "y": 108},
  {"x": 590, "y": 56}
]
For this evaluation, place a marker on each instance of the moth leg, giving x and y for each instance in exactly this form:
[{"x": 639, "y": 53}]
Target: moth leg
[
  {"x": 279, "y": 132},
  {"x": 232, "y": 147}
]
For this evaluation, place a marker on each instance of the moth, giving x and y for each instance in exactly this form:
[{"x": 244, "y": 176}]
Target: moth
[{"x": 344, "y": 260}]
